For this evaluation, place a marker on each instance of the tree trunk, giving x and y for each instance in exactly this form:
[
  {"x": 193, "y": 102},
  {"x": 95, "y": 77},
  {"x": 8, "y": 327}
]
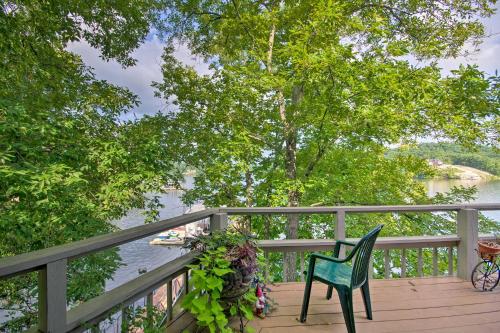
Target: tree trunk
[
  {"x": 290, "y": 136},
  {"x": 249, "y": 197},
  {"x": 290, "y": 258}
]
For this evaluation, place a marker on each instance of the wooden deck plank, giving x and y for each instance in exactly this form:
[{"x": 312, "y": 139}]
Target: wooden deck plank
[
  {"x": 404, "y": 305},
  {"x": 452, "y": 324},
  {"x": 334, "y": 306},
  {"x": 318, "y": 296},
  {"x": 335, "y": 316},
  {"x": 381, "y": 283},
  {"x": 441, "y": 305},
  {"x": 493, "y": 326}
]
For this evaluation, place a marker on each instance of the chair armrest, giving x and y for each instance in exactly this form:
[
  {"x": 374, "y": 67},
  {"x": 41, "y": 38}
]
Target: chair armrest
[
  {"x": 315, "y": 256},
  {"x": 312, "y": 263},
  {"x": 338, "y": 243}
]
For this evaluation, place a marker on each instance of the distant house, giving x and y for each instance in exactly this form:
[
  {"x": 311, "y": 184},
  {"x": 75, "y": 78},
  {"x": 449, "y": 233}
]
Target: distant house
[{"x": 435, "y": 162}]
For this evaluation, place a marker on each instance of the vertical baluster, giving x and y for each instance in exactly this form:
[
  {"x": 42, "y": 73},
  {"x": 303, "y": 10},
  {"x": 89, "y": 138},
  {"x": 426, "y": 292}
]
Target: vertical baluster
[
  {"x": 387, "y": 264},
  {"x": 149, "y": 305},
  {"x": 302, "y": 266},
  {"x": 435, "y": 262},
  {"x": 125, "y": 319},
  {"x": 340, "y": 230},
  {"x": 403, "y": 263},
  {"x": 266, "y": 268},
  {"x": 420, "y": 263},
  {"x": 186, "y": 282},
  {"x": 170, "y": 309},
  {"x": 370, "y": 268},
  {"x": 450, "y": 261}
]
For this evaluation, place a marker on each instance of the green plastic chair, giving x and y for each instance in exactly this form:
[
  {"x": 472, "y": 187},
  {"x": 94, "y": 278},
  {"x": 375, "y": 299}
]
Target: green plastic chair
[{"x": 344, "y": 278}]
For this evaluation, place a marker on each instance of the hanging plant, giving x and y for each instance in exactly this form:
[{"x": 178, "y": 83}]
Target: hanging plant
[{"x": 222, "y": 279}]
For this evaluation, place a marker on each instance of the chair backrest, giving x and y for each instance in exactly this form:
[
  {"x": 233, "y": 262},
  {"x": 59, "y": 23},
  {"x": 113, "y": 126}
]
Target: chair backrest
[{"x": 363, "y": 252}]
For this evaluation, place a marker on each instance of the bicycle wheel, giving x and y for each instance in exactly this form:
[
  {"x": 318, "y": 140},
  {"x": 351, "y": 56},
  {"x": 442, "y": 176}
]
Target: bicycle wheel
[{"x": 485, "y": 275}]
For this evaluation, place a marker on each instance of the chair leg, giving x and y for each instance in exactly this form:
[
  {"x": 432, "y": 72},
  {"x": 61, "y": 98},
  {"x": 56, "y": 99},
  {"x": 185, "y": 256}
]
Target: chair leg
[
  {"x": 345, "y": 296},
  {"x": 365, "y": 291},
  {"x": 305, "y": 301},
  {"x": 329, "y": 292}
]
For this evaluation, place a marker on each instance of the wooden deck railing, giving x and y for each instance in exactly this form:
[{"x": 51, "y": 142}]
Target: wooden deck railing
[{"x": 51, "y": 263}]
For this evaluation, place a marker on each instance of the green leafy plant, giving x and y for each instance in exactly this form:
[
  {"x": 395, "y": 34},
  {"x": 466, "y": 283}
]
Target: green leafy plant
[
  {"x": 221, "y": 280},
  {"x": 147, "y": 319}
]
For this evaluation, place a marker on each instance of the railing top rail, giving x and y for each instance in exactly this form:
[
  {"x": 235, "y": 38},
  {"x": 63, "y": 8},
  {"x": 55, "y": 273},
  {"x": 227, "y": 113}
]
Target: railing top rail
[
  {"x": 98, "y": 307},
  {"x": 27, "y": 262},
  {"x": 355, "y": 209},
  {"x": 31, "y": 261},
  {"x": 405, "y": 242}
]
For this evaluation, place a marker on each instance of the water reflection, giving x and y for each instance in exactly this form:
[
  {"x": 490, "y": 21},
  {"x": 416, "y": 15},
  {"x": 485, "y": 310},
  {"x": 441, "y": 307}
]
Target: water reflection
[{"x": 487, "y": 191}]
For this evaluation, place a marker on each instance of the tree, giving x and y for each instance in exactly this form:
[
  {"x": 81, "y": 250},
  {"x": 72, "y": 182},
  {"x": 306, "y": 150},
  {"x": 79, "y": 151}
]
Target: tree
[
  {"x": 67, "y": 165},
  {"x": 299, "y": 89}
]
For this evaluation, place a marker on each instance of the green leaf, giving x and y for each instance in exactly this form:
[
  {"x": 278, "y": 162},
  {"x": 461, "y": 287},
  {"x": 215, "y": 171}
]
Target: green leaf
[
  {"x": 214, "y": 283},
  {"x": 222, "y": 271},
  {"x": 200, "y": 303},
  {"x": 247, "y": 312}
]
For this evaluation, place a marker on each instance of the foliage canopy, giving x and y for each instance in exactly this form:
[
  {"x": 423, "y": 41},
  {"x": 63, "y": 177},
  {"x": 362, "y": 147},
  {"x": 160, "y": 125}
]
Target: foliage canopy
[
  {"x": 67, "y": 165},
  {"x": 304, "y": 97}
]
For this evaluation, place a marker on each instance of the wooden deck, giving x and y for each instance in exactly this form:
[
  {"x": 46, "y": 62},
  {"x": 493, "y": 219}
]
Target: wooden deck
[
  {"x": 441, "y": 305},
  {"x": 438, "y": 304}
]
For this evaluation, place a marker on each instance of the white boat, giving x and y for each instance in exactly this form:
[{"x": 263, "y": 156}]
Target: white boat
[{"x": 175, "y": 236}]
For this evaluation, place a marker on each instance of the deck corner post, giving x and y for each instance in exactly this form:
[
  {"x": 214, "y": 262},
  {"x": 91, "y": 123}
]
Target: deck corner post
[
  {"x": 467, "y": 230},
  {"x": 52, "y": 284},
  {"x": 218, "y": 221},
  {"x": 340, "y": 230}
]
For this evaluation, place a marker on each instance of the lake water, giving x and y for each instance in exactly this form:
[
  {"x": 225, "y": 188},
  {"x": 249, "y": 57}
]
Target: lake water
[
  {"x": 487, "y": 191},
  {"x": 139, "y": 254}
]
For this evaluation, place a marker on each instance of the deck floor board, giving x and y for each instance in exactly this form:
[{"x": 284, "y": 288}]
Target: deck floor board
[{"x": 441, "y": 305}]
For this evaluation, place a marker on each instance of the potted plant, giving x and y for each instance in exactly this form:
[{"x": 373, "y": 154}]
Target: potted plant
[{"x": 221, "y": 281}]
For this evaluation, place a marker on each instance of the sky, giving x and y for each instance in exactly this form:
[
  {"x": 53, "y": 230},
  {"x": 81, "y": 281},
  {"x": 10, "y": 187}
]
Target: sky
[
  {"x": 148, "y": 68},
  {"x": 137, "y": 78}
]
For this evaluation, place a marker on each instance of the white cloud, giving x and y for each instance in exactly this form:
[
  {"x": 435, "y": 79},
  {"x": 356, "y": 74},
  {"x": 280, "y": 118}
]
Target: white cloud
[
  {"x": 137, "y": 78},
  {"x": 148, "y": 68},
  {"x": 488, "y": 56}
]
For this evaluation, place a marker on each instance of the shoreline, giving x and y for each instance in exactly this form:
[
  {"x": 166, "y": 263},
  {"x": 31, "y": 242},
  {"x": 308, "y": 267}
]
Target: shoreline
[{"x": 461, "y": 172}]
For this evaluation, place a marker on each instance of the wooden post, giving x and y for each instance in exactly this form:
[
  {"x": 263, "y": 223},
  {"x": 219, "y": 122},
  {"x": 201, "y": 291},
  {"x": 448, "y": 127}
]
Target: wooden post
[
  {"x": 467, "y": 230},
  {"x": 340, "y": 230},
  {"x": 52, "y": 286},
  {"x": 218, "y": 221}
]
